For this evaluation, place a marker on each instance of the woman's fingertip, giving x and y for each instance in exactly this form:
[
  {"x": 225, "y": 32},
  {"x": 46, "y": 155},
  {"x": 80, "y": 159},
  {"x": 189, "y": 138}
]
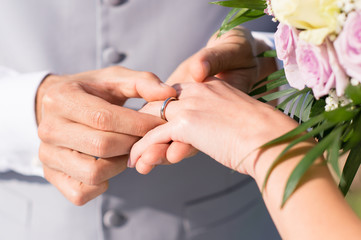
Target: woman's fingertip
[{"x": 129, "y": 163}]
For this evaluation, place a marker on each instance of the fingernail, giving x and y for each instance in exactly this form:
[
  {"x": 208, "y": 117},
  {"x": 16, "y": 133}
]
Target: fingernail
[{"x": 129, "y": 164}]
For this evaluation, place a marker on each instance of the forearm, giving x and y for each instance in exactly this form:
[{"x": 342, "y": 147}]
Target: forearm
[{"x": 316, "y": 210}]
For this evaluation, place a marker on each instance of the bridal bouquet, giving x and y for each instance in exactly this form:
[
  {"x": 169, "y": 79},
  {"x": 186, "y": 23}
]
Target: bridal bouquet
[{"x": 319, "y": 42}]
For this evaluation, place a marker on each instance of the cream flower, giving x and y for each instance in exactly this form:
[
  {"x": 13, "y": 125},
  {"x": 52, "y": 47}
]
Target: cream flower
[{"x": 318, "y": 18}]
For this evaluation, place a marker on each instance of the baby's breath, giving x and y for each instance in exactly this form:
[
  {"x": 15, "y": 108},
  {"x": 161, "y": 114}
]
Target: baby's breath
[{"x": 333, "y": 101}]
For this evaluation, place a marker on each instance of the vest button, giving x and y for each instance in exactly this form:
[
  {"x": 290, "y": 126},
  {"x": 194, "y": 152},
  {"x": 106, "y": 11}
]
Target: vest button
[
  {"x": 115, "y": 2},
  {"x": 112, "y": 218},
  {"x": 112, "y": 56}
]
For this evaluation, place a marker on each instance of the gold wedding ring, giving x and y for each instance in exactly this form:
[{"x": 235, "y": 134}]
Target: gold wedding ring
[{"x": 164, "y": 106}]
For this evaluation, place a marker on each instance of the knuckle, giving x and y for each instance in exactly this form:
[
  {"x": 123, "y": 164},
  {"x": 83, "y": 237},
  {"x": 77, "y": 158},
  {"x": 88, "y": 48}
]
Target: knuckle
[
  {"x": 48, "y": 100},
  {"x": 45, "y": 131},
  {"x": 93, "y": 173},
  {"x": 185, "y": 119},
  {"x": 78, "y": 197},
  {"x": 42, "y": 154},
  {"x": 100, "y": 146},
  {"x": 101, "y": 119},
  {"x": 140, "y": 129},
  {"x": 113, "y": 69},
  {"x": 81, "y": 194}
]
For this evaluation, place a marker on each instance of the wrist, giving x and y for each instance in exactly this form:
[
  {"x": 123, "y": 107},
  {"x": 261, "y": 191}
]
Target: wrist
[
  {"x": 276, "y": 125},
  {"x": 44, "y": 86},
  {"x": 286, "y": 164}
]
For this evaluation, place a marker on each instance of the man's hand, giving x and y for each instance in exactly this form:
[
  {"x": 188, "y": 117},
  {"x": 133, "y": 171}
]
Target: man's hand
[
  {"x": 80, "y": 117},
  {"x": 231, "y": 57}
]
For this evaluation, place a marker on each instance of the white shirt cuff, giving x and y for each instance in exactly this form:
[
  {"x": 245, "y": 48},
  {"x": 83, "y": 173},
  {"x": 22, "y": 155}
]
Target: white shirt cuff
[{"x": 20, "y": 142}]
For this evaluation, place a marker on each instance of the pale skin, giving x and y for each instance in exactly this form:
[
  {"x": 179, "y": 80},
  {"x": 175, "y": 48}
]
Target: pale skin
[
  {"x": 223, "y": 116},
  {"x": 81, "y": 116}
]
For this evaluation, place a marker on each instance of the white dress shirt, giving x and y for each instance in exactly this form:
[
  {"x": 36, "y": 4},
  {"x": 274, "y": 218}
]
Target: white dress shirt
[{"x": 18, "y": 129}]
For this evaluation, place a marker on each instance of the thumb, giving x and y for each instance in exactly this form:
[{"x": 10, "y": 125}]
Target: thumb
[
  {"x": 233, "y": 50},
  {"x": 151, "y": 88},
  {"x": 211, "y": 61},
  {"x": 127, "y": 83}
]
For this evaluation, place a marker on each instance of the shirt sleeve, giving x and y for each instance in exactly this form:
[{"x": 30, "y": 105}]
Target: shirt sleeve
[{"x": 18, "y": 130}]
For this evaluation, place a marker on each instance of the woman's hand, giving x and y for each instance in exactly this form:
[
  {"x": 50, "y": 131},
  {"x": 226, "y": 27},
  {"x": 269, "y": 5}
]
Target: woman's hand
[
  {"x": 215, "y": 118},
  {"x": 232, "y": 58}
]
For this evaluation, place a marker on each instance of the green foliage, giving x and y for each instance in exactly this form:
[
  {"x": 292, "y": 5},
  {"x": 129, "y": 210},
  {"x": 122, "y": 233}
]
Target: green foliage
[
  {"x": 333, "y": 153},
  {"x": 354, "y": 93},
  {"x": 305, "y": 164},
  {"x": 238, "y": 16},
  {"x": 318, "y": 107},
  {"x": 269, "y": 53},
  {"x": 338, "y": 132},
  {"x": 349, "y": 171},
  {"x": 252, "y": 4}
]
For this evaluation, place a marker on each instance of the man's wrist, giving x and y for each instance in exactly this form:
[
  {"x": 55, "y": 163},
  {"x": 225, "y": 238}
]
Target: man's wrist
[{"x": 48, "y": 81}]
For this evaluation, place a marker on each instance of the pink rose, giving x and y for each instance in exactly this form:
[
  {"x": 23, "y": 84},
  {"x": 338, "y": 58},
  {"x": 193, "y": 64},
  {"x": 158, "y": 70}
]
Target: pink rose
[
  {"x": 342, "y": 80},
  {"x": 286, "y": 42},
  {"x": 348, "y": 46},
  {"x": 320, "y": 68}
]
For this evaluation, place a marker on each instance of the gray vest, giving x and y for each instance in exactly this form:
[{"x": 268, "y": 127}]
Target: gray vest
[{"x": 195, "y": 199}]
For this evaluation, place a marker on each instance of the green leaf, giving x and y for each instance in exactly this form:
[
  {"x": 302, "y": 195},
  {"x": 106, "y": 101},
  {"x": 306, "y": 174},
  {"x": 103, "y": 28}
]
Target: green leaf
[
  {"x": 233, "y": 13},
  {"x": 269, "y": 53},
  {"x": 292, "y": 105},
  {"x": 340, "y": 114},
  {"x": 276, "y": 95},
  {"x": 295, "y": 132},
  {"x": 318, "y": 107},
  {"x": 275, "y": 75},
  {"x": 348, "y": 132},
  {"x": 269, "y": 86},
  {"x": 334, "y": 149},
  {"x": 351, "y": 166},
  {"x": 304, "y": 165},
  {"x": 354, "y": 93},
  {"x": 354, "y": 136},
  {"x": 305, "y": 115},
  {"x": 304, "y": 99},
  {"x": 286, "y": 101},
  {"x": 252, "y": 4},
  {"x": 302, "y": 138},
  {"x": 244, "y": 15}
]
